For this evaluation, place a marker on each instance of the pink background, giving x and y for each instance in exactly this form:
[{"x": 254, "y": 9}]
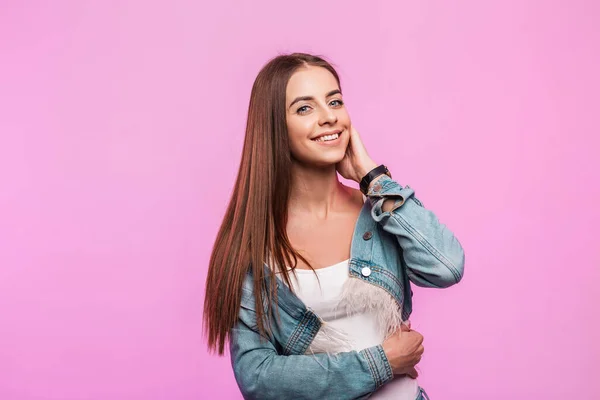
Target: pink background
[{"x": 121, "y": 131}]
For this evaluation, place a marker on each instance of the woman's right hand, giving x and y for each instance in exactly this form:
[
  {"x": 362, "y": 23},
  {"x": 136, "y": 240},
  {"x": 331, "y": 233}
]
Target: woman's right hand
[{"x": 404, "y": 349}]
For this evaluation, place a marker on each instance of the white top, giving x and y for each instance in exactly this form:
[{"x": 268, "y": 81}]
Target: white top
[{"x": 361, "y": 326}]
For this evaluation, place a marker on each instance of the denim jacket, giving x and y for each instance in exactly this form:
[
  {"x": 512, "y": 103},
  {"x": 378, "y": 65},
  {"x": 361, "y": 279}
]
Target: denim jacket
[{"x": 389, "y": 250}]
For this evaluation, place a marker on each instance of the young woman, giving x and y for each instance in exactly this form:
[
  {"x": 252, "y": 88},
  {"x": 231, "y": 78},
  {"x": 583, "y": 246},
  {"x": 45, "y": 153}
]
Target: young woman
[{"x": 309, "y": 279}]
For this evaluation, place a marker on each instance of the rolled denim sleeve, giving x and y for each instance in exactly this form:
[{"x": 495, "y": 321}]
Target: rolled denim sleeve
[
  {"x": 433, "y": 255},
  {"x": 262, "y": 373}
]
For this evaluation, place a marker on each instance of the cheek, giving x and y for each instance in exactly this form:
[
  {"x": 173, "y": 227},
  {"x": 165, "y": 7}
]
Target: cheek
[
  {"x": 301, "y": 125},
  {"x": 299, "y": 129},
  {"x": 344, "y": 118}
]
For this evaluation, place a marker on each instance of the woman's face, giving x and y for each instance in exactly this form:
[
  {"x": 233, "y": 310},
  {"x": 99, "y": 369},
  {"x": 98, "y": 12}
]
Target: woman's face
[{"x": 315, "y": 107}]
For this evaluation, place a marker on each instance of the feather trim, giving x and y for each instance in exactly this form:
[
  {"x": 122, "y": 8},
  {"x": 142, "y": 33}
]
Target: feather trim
[
  {"x": 359, "y": 296},
  {"x": 331, "y": 340}
]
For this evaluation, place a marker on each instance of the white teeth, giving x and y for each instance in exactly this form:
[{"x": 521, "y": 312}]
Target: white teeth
[{"x": 327, "y": 138}]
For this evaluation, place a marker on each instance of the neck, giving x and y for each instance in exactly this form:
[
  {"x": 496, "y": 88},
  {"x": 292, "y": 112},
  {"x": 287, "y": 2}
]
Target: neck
[{"x": 316, "y": 190}]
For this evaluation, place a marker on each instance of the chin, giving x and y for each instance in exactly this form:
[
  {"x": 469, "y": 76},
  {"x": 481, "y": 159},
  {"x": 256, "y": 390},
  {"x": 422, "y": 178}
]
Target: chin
[
  {"x": 321, "y": 158},
  {"x": 331, "y": 160}
]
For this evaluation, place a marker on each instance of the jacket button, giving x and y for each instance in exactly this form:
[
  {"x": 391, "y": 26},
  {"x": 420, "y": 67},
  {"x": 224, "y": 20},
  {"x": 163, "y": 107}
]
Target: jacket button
[
  {"x": 367, "y": 235},
  {"x": 377, "y": 187},
  {"x": 365, "y": 271}
]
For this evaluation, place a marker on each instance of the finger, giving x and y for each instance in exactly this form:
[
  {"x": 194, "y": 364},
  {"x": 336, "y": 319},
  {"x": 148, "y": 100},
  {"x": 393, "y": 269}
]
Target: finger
[
  {"x": 412, "y": 373},
  {"x": 416, "y": 337},
  {"x": 420, "y": 337}
]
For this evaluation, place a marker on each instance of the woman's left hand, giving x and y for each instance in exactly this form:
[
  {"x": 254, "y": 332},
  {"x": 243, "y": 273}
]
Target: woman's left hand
[{"x": 356, "y": 163}]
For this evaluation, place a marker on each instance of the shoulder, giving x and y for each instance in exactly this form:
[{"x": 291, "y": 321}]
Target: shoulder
[{"x": 356, "y": 195}]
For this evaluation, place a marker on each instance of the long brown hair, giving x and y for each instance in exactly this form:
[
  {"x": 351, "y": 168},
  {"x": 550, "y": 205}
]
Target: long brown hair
[{"x": 254, "y": 226}]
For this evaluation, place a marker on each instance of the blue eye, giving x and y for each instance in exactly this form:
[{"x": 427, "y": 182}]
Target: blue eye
[
  {"x": 302, "y": 110},
  {"x": 305, "y": 109}
]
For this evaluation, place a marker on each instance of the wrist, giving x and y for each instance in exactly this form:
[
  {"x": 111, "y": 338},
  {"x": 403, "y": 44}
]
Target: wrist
[
  {"x": 364, "y": 169},
  {"x": 389, "y": 352},
  {"x": 372, "y": 176}
]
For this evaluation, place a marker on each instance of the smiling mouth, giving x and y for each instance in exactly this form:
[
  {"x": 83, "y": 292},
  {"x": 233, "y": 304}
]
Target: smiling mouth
[{"x": 328, "y": 138}]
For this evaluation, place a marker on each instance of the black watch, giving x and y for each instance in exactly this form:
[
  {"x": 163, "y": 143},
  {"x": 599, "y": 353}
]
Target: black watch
[{"x": 375, "y": 172}]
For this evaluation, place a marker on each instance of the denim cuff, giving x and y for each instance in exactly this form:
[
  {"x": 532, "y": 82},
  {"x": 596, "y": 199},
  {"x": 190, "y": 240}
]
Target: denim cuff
[
  {"x": 387, "y": 187},
  {"x": 384, "y": 188},
  {"x": 378, "y": 364}
]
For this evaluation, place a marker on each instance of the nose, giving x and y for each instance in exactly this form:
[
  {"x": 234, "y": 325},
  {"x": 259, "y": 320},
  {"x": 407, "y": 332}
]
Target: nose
[{"x": 327, "y": 117}]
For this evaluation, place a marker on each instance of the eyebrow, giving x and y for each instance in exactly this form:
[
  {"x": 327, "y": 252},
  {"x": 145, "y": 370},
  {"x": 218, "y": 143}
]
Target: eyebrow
[{"x": 301, "y": 98}]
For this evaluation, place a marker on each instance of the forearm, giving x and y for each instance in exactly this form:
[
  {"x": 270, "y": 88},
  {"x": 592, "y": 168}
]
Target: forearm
[
  {"x": 262, "y": 373},
  {"x": 433, "y": 254}
]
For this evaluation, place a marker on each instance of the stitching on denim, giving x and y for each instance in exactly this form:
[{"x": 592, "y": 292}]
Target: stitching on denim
[
  {"x": 296, "y": 335},
  {"x": 399, "y": 299},
  {"x": 379, "y": 377},
  {"x": 388, "y": 274},
  {"x": 369, "y": 363},
  {"x": 387, "y": 188},
  {"x": 303, "y": 327},
  {"x": 386, "y": 363},
  {"x": 432, "y": 250},
  {"x": 382, "y": 285},
  {"x": 299, "y": 330},
  {"x": 361, "y": 263},
  {"x": 419, "y": 202},
  {"x": 305, "y": 340},
  {"x": 373, "y": 367},
  {"x": 389, "y": 184},
  {"x": 293, "y": 338}
]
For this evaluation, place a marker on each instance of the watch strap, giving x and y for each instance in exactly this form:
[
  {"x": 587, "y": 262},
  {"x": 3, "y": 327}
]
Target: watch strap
[{"x": 368, "y": 178}]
